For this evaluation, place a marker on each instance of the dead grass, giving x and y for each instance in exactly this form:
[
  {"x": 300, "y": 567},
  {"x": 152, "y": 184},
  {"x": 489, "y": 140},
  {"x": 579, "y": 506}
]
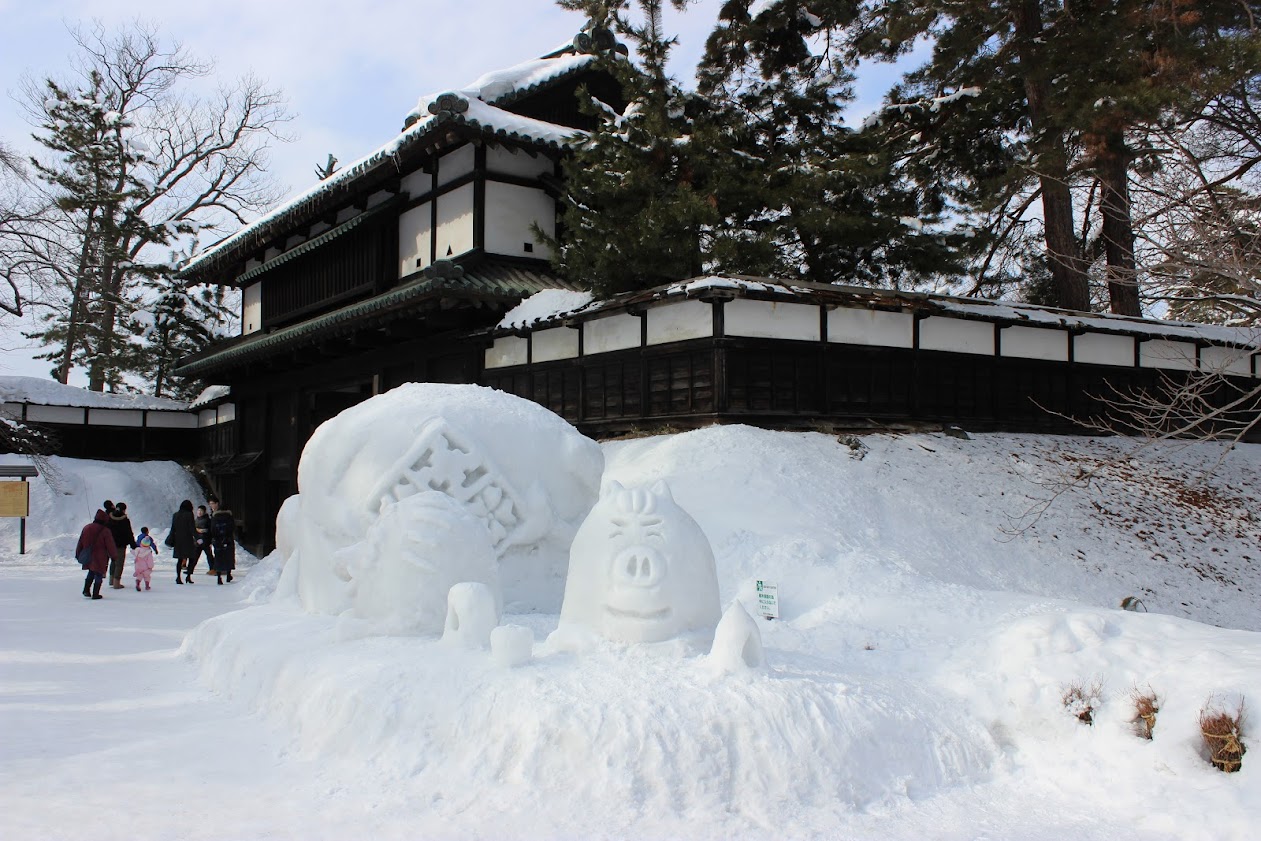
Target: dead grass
[
  {"x": 1223, "y": 735},
  {"x": 1082, "y": 700},
  {"x": 1146, "y": 705}
]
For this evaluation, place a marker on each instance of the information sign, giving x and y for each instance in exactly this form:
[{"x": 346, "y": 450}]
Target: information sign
[
  {"x": 768, "y": 599},
  {"x": 15, "y": 499}
]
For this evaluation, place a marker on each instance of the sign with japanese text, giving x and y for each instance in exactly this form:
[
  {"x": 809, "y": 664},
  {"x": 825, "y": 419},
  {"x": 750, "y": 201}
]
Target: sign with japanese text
[
  {"x": 768, "y": 599},
  {"x": 15, "y": 499}
]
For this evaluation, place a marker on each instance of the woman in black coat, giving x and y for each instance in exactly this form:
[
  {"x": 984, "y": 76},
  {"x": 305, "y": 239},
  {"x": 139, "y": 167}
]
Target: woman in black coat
[
  {"x": 183, "y": 540},
  {"x": 124, "y": 539}
]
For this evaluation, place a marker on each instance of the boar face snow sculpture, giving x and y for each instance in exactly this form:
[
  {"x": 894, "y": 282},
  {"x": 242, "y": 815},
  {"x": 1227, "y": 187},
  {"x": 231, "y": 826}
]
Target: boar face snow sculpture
[
  {"x": 525, "y": 474},
  {"x": 640, "y": 569}
]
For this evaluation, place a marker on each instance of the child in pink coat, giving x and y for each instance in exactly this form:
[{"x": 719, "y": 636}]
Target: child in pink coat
[{"x": 146, "y": 550}]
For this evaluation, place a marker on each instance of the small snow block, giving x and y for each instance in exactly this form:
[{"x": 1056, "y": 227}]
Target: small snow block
[
  {"x": 737, "y": 642},
  {"x": 956, "y": 432},
  {"x": 471, "y": 615},
  {"x": 511, "y": 645}
]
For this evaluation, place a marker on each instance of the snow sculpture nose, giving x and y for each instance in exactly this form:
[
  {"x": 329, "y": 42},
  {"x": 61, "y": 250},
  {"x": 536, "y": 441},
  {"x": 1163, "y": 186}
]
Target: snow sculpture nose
[{"x": 639, "y": 566}]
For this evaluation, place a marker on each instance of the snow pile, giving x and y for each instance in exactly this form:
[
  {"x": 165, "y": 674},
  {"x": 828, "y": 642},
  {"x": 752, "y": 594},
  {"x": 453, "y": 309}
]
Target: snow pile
[{"x": 64, "y": 500}]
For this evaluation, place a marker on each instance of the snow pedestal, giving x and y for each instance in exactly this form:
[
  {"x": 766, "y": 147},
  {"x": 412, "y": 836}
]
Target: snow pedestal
[
  {"x": 640, "y": 570},
  {"x": 523, "y": 474},
  {"x": 512, "y": 645},
  {"x": 472, "y": 614},
  {"x": 737, "y": 642}
]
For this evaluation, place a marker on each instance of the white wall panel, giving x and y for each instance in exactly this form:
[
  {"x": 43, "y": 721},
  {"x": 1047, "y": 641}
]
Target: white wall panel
[
  {"x": 415, "y": 227},
  {"x": 1226, "y": 360},
  {"x": 618, "y": 332},
  {"x": 871, "y": 327},
  {"x": 171, "y": 420},
  {"x": 207, "y": 417},
  {"x": 227, "y": 412},
  {"x": 517, "y": 162},
  {"x": 771, "y": 320},
  {"x": 252, "y": 308},
  {"x": 554, "y": 343},
  {"x": 455, "y": 164},
  {"x": 507, "y": 350},
  {"x": 455, "y": 222},
  {"x": 115, "y": 417},
  {"x": 416, "y": 184},
  {"x": 1034, "y": 343},
  {"x": 956, "y": 335},
  {"x": 510, "y": 211},
  {"x": 677, "y": 322},
  {"x": 1164, "y": 353},
  {"x": 55, "y": 414},
  {"x": 1104, "y": 349}
]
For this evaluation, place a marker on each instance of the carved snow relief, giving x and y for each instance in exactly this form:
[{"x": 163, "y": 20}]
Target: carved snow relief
[
  {"x": 640, "y": 569},
  {"x": 509, "y": 469}
]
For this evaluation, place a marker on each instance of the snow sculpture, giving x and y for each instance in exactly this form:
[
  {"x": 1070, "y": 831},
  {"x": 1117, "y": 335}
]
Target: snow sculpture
[
  {"x": 640, "y": 569},
  {"x": 415, "y": 552},
  {"x": 523, "y": 473},
  {"x": 737, "y": 642},
  {"x": 512, "y": 645},
  {"x": 472, "y": 614}
]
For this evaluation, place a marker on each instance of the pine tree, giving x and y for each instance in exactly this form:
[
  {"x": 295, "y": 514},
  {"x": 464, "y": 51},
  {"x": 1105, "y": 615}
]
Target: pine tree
[
  {"x": 636, "y": 203},
  {"x": 182, "y": 321},
  {"x": 800, "y": 193}
]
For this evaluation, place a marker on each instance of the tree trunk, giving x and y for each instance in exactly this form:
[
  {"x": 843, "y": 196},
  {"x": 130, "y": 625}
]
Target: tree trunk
[
  {"x": 1068, "y": 269},
  {"x": 1113, "y": 169},
  {"x": 76, "y": 299}
]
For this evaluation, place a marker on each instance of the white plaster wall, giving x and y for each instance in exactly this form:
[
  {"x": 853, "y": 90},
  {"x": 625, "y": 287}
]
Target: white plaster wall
[
  {"x": 517, "y": 162},
  {"x": 455, "y": 222},
  {"x": 115, "y": 417},
  {"x": 252, "y": 308},
  {"x": 508, "y": 350},
  {"x": 455, "y": 164},
  {"x": 11, "y": 410},
  {"x": 510, "y": 211},
  {"x": 617, "y": 332},
  {"x": 415, "y": 227},
  {"x": 1226, "y": 360},
  {"x": 227, "y": 412},
  {"x": 871, "y": 327},
  {"x": 956, "y": 335},
  {"x": 677, "y": 322},
  {"x": 1104, "y": 349},
  {"x": 1035, "y": 343},
  {"x": 171, "y": 420},
  {"x": 1164, "y": 353},
  {"x": 416, "y": 183},
  {"x": 207, "y": 417},
  {"x": 771, "y": 320},
  {"x": 55, "y": 414},
  {"x": 554, "y": 343}
]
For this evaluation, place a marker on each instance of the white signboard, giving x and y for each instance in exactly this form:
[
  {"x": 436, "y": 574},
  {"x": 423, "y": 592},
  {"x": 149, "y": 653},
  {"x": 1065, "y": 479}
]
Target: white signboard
[{"x": 768, "y": 599}]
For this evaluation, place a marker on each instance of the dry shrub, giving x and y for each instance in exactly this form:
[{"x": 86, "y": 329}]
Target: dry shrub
[
  {"x": 1082, "y": 700},
  {"x": 1223, "y": 735},
  {"x": 1146, "y": 705}
]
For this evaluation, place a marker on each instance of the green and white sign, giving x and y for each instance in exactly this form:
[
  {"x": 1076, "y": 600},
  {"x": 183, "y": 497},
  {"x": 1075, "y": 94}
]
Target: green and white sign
[{"x": 768, "y": 599}]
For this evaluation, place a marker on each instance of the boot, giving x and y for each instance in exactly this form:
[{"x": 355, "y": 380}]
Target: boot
[
  {"x": 96, "y": 589},
  {"x": 219, "y": 579},
  {"x": 229, "y": 578},
  {"x": 137, "y": 585},
  {"x": 188, "y": 578},
  {"x": 87, "y": 587},
  {"x": 179, "y": 567}
]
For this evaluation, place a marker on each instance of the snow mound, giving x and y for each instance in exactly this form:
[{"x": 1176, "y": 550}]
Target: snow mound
[{"x": 642, "y": 725}]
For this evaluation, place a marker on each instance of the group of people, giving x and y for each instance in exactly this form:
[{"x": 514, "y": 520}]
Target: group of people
[{"x": 104, "y": 542}]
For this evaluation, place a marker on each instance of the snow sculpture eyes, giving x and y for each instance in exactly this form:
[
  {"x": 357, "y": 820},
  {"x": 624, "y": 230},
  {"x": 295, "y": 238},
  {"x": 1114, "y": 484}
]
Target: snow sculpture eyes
[{"x": 640, "y": 569}]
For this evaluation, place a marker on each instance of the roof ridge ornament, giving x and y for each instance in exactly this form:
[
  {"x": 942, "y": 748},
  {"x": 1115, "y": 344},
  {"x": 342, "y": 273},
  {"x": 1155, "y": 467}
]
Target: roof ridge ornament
[
  {"x": 596, "y": 38},
  {"x": 443, "y": 270},
  {"x": 448, "y": 105}
]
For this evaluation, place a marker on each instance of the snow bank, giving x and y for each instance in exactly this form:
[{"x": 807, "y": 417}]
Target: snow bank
[{"x": 14, "y": 389}]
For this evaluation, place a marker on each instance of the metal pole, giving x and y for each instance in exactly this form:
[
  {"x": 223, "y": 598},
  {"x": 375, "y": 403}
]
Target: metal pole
[{"x": 22, "y": 530}]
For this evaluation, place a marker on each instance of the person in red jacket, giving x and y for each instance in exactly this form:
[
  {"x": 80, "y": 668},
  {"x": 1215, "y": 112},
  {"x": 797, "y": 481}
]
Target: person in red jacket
[{"x": 97, "y": 538}]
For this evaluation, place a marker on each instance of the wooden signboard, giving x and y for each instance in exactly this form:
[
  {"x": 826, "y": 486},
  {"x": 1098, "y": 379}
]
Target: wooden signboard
[{"x": 15, "y": 499}]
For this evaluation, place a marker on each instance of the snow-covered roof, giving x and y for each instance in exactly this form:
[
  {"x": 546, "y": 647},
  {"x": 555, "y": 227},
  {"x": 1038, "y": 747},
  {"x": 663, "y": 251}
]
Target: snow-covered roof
[
  {"x": 210, "y": 394},
  {"x": 477, "y": 105},
  {"x": 14, "y": 389},
  {"x": 547, "y": 305},
  {"x": 922, "y": 302}
]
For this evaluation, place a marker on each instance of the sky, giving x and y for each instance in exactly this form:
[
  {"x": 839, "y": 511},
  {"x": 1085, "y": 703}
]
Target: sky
[{"x": 349, "y": 77}]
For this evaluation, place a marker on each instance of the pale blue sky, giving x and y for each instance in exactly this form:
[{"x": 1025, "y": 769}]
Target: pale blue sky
[{"x": 351, "y": 72}]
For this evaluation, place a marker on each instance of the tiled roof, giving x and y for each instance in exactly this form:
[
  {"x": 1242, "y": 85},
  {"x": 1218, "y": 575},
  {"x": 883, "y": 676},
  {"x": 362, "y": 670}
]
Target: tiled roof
[{"x": 489, "y": 280}]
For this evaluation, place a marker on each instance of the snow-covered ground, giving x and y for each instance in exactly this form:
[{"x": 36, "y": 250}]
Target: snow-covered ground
[{"x": 930, "y": 625}]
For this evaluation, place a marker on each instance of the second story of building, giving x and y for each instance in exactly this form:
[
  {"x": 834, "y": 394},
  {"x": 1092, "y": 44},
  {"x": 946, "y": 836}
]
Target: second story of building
[{"x": 473, "y": 178}]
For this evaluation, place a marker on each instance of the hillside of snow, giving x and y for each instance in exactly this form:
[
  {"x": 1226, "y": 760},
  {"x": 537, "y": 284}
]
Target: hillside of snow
[{"x": 934, "y": 611}]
